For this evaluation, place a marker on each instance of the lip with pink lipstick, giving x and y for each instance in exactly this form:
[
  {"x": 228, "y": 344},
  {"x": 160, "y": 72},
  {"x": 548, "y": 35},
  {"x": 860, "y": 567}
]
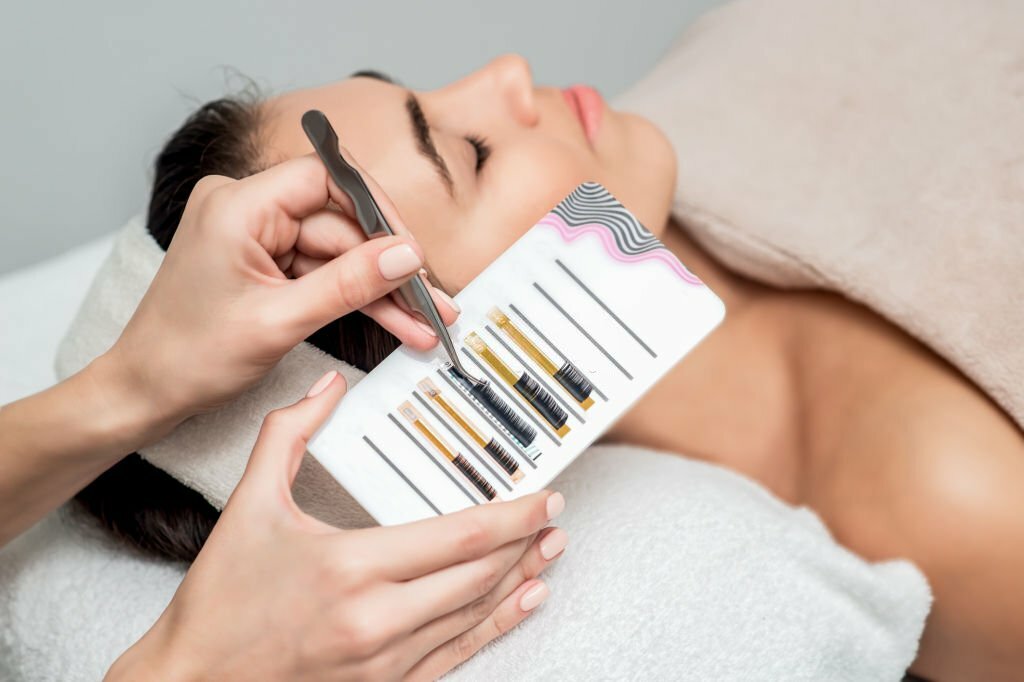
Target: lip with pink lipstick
[{"x": 588, "y": 105}]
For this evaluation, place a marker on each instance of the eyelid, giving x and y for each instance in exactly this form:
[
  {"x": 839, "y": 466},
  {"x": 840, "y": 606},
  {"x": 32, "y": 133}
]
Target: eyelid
[{"x": 481, "y": 150}]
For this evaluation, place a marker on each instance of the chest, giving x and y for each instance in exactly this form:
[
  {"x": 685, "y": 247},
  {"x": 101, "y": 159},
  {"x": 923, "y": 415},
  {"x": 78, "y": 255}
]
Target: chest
[{"x": 796, "y": 390}]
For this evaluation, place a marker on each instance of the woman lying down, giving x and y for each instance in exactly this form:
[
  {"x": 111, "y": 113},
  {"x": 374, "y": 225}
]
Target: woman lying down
[{"x": 820, "y": 400}]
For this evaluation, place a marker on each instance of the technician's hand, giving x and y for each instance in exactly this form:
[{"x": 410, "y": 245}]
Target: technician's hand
[
  {"x": 278, "y": 595},
  {"x": 256, "y": 266}
]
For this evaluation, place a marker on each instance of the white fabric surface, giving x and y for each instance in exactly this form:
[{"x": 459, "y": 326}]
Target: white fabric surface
[
  {"x": 36, "y": 306},
  {"x": 676, "y": 569}
]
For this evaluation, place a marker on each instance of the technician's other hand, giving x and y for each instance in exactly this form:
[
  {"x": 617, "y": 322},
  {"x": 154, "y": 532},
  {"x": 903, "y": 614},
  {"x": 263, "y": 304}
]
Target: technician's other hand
[
  {"x": 278, "y": 595},
  {"x": 255, "y": 267}
]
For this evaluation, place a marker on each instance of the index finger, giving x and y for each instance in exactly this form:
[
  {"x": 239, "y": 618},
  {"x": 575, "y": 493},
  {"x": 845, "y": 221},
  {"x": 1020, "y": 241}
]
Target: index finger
[
  {"x": 297, "y": 187},
  {"x": 414, "y": 549}
]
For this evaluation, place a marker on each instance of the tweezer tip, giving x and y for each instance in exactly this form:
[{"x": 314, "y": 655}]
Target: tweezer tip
[{"x": 463, "y": 373}]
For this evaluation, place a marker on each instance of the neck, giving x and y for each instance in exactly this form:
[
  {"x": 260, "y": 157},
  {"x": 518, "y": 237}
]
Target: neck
[
  {"x": 730, "y": 400},
  {"x": 734, "y": 290}
]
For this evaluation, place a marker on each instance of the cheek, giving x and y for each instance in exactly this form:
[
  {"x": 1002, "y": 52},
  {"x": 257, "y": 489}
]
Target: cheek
[{"x": 516, "y": 191}]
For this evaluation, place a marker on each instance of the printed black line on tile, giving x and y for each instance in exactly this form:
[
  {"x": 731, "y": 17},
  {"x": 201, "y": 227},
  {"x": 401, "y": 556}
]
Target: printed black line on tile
[
  {"x": 433, "y": 459},
  {"x": 608, "y": 310},
  {"x": 489, "y": 421},
  {"x": 458, "y": 436},
  {"x": 555, "y": 391},
  {"x": 402, "y": 475},
  {"x": 525, "y": 411},
  {"x": 556, "y": 349},
  {"x": 583, "y": 331}
]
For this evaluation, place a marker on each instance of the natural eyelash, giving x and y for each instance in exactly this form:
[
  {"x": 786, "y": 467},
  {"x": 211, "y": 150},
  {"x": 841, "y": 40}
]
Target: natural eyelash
[{"x": 482, "y": 149}]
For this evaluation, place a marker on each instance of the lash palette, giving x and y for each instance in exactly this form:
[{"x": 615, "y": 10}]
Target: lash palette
[{"x": 568, "y": 328}]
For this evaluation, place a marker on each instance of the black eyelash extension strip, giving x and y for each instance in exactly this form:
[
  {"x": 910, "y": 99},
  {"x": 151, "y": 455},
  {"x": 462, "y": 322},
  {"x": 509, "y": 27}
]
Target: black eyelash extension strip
[
  {"x": 542, "y": 402},
  {"x": 575, "y": 383},
  {"x": 485, "y": 488},
  {"x": 539, "y": 399},
  {"x": 456, "y": 458},
  {"x": 497, "y": 408},
  {"x": 491, "y": 447},
  {"x": 570, "y": 378}
]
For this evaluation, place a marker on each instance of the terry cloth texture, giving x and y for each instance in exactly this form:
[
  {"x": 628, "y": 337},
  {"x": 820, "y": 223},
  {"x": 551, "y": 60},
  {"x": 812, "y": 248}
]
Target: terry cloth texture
[{"x": 675, "y": 570}]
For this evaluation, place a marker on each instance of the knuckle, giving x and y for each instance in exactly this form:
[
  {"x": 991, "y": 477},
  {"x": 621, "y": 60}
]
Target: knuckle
[
  {"x": 472, "y": 536},
  {"x": 206, "y": 184},
  {"x": 382, "y": 666},
  {"x": 309, "y": 173},
  {"x": 344, "y": 571},
  {"x": 463, "y": 647},
  {"x": 530, "y": 566},
  {"x": 479, "y": 609},
  {"x": 489, "y": 576},
  {"x": 355, "y": 288},
  {"x": 265, "y": 318},
  {"x": 277, "y": 420},
  {"x": 351, "y": 571},
  {"x": 217, "y": 199},
  {"x": 361, "y": 634},
  {"x": 500, "y": 622}
]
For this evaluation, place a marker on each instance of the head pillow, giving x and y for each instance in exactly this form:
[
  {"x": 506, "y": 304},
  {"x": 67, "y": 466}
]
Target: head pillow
[
  {"x": 208, "y": 453},
  {"x": 869, "y": 147}
]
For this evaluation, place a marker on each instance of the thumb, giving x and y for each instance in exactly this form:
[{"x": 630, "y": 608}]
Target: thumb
[
  {"x": 281, "y": 444},
  {"x": 351, "y": 281}
]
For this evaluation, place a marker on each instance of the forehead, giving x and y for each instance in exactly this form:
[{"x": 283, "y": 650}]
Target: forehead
[{"x": 373, "y": 125}]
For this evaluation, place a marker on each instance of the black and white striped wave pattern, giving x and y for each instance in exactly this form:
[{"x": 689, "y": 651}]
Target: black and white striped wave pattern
[{"x": 592, "y": 203}]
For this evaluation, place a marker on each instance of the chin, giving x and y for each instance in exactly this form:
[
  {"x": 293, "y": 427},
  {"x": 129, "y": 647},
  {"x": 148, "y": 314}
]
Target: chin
[{"x": 647, "y": 172}]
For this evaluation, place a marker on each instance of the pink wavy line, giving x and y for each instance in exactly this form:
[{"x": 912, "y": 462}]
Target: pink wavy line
[{"x": 569, "y": 233}]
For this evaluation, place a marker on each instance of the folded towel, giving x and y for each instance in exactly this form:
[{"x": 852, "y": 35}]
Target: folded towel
[
  {"x": 208, "y": 453},
  {"x": 869, "y": 147},
  {"x": 675, "y": 570}
]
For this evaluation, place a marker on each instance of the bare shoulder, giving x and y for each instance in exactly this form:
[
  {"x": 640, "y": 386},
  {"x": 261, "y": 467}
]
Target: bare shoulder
[{"x": 935, "y": 473}]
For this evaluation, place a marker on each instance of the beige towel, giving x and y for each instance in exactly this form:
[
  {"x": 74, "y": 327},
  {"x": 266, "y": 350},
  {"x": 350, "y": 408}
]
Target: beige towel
[{"x": 869, "y": 147}]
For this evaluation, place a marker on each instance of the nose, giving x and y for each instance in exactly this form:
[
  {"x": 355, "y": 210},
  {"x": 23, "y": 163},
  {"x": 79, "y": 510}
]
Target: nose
[
  {"x": 514, "y": 81},
  {"x": 507, "y": 82}
]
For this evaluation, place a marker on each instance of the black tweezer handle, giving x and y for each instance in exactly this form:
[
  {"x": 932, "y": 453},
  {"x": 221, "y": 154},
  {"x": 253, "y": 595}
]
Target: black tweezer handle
[
  {"x": 325, "y": 141},
  {"x": 414, "y": 292}
]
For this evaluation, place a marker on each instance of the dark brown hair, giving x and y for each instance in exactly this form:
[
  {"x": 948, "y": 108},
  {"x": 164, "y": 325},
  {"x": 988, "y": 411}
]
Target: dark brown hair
[{"x": 133, "y": 500}]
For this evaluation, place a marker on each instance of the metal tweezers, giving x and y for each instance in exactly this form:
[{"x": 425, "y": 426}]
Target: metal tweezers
[{"x": 414, "y": 292}]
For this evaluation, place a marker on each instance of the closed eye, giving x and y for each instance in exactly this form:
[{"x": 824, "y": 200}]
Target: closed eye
[{"x": 481, "y": 149}]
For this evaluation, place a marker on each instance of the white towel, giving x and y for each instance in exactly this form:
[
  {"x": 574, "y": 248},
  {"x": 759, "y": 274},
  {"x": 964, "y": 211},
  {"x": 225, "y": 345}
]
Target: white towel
[
  {"x": 675, "y": 570},
  {"x": 207, "y": 453}
]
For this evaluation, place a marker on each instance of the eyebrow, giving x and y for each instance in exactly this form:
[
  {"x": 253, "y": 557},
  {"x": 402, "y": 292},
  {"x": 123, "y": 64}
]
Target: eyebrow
[{"x": 425, "y": 143}]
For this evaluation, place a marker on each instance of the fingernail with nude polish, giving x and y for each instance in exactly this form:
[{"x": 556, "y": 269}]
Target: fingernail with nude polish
[
  {"x": 553, "y": 543},
  {"x": 533, "y": 597},
  {"x": 398, "y": 262},
  {"x": 556, "y": 503},
  {"x": 447, "y": 299},
  {"x": 321, "y": 384}
]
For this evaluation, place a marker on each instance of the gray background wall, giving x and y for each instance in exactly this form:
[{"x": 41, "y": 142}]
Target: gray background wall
[{"x": 90, "y": 90}]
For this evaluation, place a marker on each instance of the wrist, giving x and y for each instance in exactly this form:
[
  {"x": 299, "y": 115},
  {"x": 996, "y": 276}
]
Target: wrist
[
  {"x": 153, "y": 658},
  {"x": 132, "y": 415}
]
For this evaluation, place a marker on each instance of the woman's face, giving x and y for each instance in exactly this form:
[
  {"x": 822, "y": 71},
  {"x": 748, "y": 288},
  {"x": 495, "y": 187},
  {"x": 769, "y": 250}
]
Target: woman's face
[{"x": 475, "y": 164}]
